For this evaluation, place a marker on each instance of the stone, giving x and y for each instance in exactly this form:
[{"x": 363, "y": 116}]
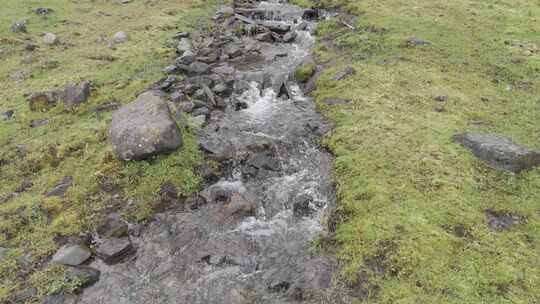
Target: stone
[
  {"x": 76, "y": 94},
  {"x": 416, "y": 42},
  {"x": 144, "y": 128},
  {"x": 71, "y": 255},
  {"x": 84, "y": 276},
  {"x": 170, "y": 69},
  {"x": 60, "y": 189},
  {"x": 224, "y": 70},
  {"x": 184, "y": 45},
  {"x": 336, "y": 101},
  {"x": 19, "y": 27},
  {"x": 50, "y": 39},
  {"x": 178, "y": 96},
  {"x": 34, "y": 123},
  {"x": 43, "y": 11},
  {"x": 442, "y": 98},
  {"x": 265, "y": 37},
  {"x": 237, "y": 205},
  {"x": 60, "y": 298},
  {"x": 19, "y": 75},
  {"x": 348, "y": 71},
  {"x": 302, "y": 26},
  {"x": 181, "y": 35},
  {"x": 113, "y": 227},
  {"x": 120, "y": 37},
  {"x": 7, "y": 115},
  {"x": 186, "y": 59},
  {"x": 42, "y": 100},
  {"x": 311, "y": 14},
  {"x": 277, "y": 27},
  {"x": 113, "y": 250},
  {"x": 499, "y": 152},
  {"x": 30, "y": 47},
  {"x": 25, "y": 295},
  {"x": 301, "y": 206},
  {"x": 289, "y": 37},
  {"x": 198, "y": 67}
]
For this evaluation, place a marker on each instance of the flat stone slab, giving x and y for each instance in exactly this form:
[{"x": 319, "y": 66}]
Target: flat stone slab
[
  {"x": 499, "y": 152},
  {"x": 72, "y": 255}
]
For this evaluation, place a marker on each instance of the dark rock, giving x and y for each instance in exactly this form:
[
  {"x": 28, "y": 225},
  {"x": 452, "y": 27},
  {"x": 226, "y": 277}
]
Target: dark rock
[
  {"x": 168, "y": 193},
  {"x": 201, "y": 111},
  {"x": 416, "y": 42},
  {"x": 301, "y": 206},
  {"x": 302, "y": 26},
  {"x": 210, "y": 97},
  {"x": 61, "y": 188},
  {"x": 186, "y": 106},
  {"x": 336, "y": 101},
  {"x": 348, "y": 71},
  {"x": 84, "y": 276},
  {"x": 181, "y": 35},
  {"x": 30, "y": 47},
  {"x": 221, "y": 89},
  {"x": 42, "y": 100},
  {"x": 24, "y": 186},
  {"x": 210, "y": 58},
  {"x": 19, "y": 27},
  {"x": 499, "y": 152},
  {"x": 277, "y": 27},
  {"x": 108, "y": 105},
  {"x": 113, "y": 250},
  {"x": 501, "y": 220},
  {"x": 113, "y": 227},
  {"x": 34, "y": 123},
  {"x": 61, "y": 298},
  {"x": 71, "y": 255},
  {"x": 265, "y": 37},
  {"x": 186, "y": 59},
  {"x": 76, "y": 94},
  {"x": 43, "y": 11},
  {"x": 25, "y": 295},
  {"x": 144, "y": 128},
  {"x": 233, "y": 51},
  {"x": 7, "y": 115},
  {"x": 442, "y": 98},
  {"x": 311, "y": 14}
]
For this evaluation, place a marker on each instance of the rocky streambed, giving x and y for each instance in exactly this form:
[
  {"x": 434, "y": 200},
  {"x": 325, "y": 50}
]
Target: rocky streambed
[{"x": 247, "y": 238}]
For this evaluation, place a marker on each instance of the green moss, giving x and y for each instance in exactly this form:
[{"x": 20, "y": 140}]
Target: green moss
[
  {"x": 411, "y": 202},
  {"x": 75, "y": 141},
  {"x": 304, "y": 72}
]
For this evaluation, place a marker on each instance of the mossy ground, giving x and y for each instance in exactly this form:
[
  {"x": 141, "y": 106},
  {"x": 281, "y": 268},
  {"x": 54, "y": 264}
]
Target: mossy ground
[
  {"x": 75, "y": 142},
  {"x": 411, "y": 202}
]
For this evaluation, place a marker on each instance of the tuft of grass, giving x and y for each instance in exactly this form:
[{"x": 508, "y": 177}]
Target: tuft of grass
[
  {"x": 411, "y": 202},
  {"x": 75, "y": 141}
]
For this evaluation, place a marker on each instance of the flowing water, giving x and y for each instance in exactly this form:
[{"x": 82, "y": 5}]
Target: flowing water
[{"x": 251, "y": 243}]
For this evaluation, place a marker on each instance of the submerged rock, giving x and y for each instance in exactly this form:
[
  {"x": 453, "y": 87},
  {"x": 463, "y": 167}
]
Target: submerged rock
[
  {"x": 71, "y": 255},
  {"x": 499, "y": 152},
  {"x": 144, "y": 128}
]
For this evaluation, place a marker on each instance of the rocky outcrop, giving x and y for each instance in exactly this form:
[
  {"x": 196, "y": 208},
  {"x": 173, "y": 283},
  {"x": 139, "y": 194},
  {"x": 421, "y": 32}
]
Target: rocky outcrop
[
  {"x": 499, "y": 152},
  {"x": 144, "y": 128}
]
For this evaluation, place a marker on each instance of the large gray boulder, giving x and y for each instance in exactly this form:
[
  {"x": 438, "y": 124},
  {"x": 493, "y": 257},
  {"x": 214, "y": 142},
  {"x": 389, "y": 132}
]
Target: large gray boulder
[
  {"x": 499, "y": 152},
  {"x": 144, "y": 128}
]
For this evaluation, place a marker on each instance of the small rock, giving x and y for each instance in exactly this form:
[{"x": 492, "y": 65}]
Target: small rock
[
  {"x": 289, "y": 37},
  {"x": 311, "y": 14},
  {"x": 34, "y": 123},
  {"x": 348, "y": 71},
  {"x": 500, "y": 220},
  {"x": 25, "y": 295},
  {"x": 186, "y": 59},
  {"x": 442, "y": 98},
  {"x": 265, "y": 37},
  {"x": 144, "y": 128},
  {"x": 301, "y": 206},
  {"x": 84, "y": 276},
  {"x": 416, "y": 42},
  {"x": 120, "y": 37},
  {"x": 199, "y": 68},
  {"x": 499, "y": 152},
  {"x": 224, "y": 70},
  {"x": 42, "y": 100},
  {"x": 50, "y": 39},
  {"x": 7, "y": 115},
  {"x": 30, "y": 47},
  {"x": 239, "y": 206},
  {"x": 302, "y": 26},
  {"x": 43, "y": 11},
  {"x": 71, "y": 255},
  {"x": 171, "y": 69},
  {"x": 76, "y": 94},
  {"x": 168, "y": 193},
  {"x": 181, "y": 35},
  {"x": 113, "y": 227},
  {"x": 3, "y": 253},
  {"x": 184, "y": 46},
  {"x": 61, "y": 188},
  {"x": 61, "y": 298},
  {"x": 178, "y": 96},
  {"x": 19, "y": 27},
  {"x": 113, "y": 250},
  {"x": 336, "y": 101}
]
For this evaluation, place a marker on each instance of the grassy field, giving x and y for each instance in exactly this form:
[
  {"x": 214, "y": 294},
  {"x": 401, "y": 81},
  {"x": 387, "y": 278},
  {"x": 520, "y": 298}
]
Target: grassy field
[
  {"x": 412, "y": 204},
  {"x": 75, "y": 142}
]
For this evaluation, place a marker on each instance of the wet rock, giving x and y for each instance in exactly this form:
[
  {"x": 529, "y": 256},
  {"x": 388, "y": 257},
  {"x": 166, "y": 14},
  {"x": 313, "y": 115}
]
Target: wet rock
[
  {"x": 210, "y": 58},
  {"x": 50, "y": 39},
  {"x": 289, "y": 37},
  {"x": 302, "y": 26},
  {"x": 277, "y": 27},
  {"x": 499, "y": 152},
  {"x": 71, "y": 255},
  {"x": 144, "y": 128},
  {"x": 114, "y": 250},
  {"x": 348, "y": 71},
  {"x": 25, "y": 295},
  {"x": 198, "y": 67},
  {"x": 113, "y": 227},
  {"x": 336, "y": 101},
  {"x": 19, "y": 27},
  {"x": 237, "y": 205},
  {"x": 221, "y": 89},
  {"x": 301, "y": 206},
  {"x": 501, "y": 220},
  {"x": 76, "y": 94},
  {"x": 411, "y": 42},
  {"x": 60, "y": 298},
  {"x": 84, "y": 276},
  {"x": 120, "y": 37},
  {"x": 311, "y": 14},
  {"x": 7, "y": 115},
  {"x": 35, "y": 123},
  {"x": 195, "y": 202},
  {"x": 61, "y": 188},
  {"x": 42, "y": 100}
]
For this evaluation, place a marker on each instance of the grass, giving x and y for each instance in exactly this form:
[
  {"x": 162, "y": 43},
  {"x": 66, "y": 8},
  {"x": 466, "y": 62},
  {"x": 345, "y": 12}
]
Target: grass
[
  {"x": 75, "y": 142},
  {"x": 412, "y": 204}
]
